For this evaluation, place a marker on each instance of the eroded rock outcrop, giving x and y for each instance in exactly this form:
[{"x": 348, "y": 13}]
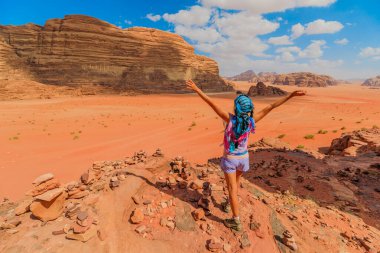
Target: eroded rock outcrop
[
  {"x": 79, "y": 50},
  {"x": 262, "y": 90},
  {"x": 372, "y": 82},
  {"x": 266, "y": 77},
  {"x": 357, "y": 143}
]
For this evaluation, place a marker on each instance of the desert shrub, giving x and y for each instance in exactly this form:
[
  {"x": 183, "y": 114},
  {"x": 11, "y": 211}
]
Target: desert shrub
[
  {"x": 300, "y": 147},
  {"x": 375, "y": 127},
  {"x": 309, "y": 136},
  {"x": 334, "y": 131},
  {"x": 281, "y": 136},
  {"x": 322, "y": 131},
  {"x": 343, "y": 128}
]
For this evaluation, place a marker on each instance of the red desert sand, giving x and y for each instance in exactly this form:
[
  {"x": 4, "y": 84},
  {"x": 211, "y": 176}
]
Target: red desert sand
[{"x": 66, "y": 135}]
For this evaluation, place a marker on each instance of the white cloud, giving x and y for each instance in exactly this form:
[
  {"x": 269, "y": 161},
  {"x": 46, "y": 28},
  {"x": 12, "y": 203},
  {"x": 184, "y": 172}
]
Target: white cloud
[
  {"x": 265, "y": 6},
  {"x": 297, "y": 30},
  {"x": 198, "y": 34},
  {"x": 128, "y": 22},
  {"x": 288, "y": 49},
  {"x": 341, "y": 42},
  {"x": 244, "y": 24},
  {"x": 286, "y": 57},
  {"x": 370, "y": 52},
  {"x": 320, "y": 63},
  {"x": 153, "y": 18},
  {"x": 195, "y": 16},
  {"x": 314, "y": 50},
  {"x": 318, "y": 26},
  {"x": 282, "y": 40}
]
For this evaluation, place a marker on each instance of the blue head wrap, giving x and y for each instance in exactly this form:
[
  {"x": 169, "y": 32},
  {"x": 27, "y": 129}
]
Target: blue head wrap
[{"x": 243, "y": 112}]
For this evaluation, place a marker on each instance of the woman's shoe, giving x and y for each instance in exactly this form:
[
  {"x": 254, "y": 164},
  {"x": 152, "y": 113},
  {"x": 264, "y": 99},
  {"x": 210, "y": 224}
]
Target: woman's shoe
[
  {"x": 233, "y": 224},
  {"x": 226, "y": 206}
]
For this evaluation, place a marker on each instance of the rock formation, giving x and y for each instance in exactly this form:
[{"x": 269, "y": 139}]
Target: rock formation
[
  {"x": 266, "y": 77},
  {"x": 372, "y": 82},
  {"x": 245, "y": 76},
  {"x": 357, "y": 143},
  {"x": 79, "y": 50},
  {"x": 262, "y": 90},
  {"x": 305, "y": 79}
]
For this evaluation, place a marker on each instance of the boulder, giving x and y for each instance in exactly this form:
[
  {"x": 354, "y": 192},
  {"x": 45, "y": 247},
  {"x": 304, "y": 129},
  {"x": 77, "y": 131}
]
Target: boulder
[
  {"x": 49, "y": 210},
  {"x": 267, "y": 91}
]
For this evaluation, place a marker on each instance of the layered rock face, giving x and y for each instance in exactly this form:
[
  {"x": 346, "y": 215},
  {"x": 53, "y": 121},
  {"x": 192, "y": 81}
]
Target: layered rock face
[
  {"x": 262, "y": 90},
  {"x": 304, "y": 79},
  {"x": 373, "y": 82},
  {"x": 80, "y": 50},
  {"x": 245, "y": 76},
  {"x": 357, "y": 143}
]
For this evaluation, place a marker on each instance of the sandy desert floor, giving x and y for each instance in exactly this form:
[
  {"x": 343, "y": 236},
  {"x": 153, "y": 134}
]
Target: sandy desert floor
[{"x": 65, "y": 135}]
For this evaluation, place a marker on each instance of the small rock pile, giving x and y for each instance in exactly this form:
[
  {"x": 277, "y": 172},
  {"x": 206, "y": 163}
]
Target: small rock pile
[{"x": 75, "y": 201}]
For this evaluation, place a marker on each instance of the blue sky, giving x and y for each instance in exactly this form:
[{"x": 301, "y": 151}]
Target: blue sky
[{"x": 336, "y": 37}]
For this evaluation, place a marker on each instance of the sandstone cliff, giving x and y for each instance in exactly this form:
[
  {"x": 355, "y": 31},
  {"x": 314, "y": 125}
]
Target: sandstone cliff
[
  {"x": 79, "y": 50},
  {"x": 373, "y": 82},
  {"x": 268, "y": 77}
]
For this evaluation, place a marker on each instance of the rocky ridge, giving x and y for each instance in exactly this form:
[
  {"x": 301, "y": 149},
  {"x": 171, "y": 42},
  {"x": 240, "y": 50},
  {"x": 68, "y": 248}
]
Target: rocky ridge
[
  {"x": 372, "y": 82},
  {"x": 80, "y": 50},
  {"x": 144, "y": 203},
  {"x": 301, "y": 79}
]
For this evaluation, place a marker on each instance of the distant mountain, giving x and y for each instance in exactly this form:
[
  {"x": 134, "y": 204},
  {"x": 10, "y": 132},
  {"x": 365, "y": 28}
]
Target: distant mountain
[{"x": 245, "y": 76}]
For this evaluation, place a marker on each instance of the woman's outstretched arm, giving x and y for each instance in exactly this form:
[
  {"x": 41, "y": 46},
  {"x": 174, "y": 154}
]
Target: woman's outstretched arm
[
  {"x": 192, "y": 86},
  {"x": 261, "y": 114}
]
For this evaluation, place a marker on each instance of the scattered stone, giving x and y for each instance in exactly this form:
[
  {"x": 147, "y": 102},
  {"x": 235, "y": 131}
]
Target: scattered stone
[
  {"x": 23, "y": 207},
  {"x": 309, "y": 187},
  {"x": 137, "y": 216},
  {"x": 183, "y": 219},
  {"x": 140, "y": 229},
  {"x": 136, "y": 199},
  {"x": 44, "y": 187},
  {"x": 214, "y": 246},
  {"x": 198, "y": 214},
  {"x": 227, "y": 247},
  {"x": 79, "y": 195},
  {"x": 49, "y": 195},
  {"x": 82, "y": 215},
  {"x": 244, "y": 241},
  {"x": 43, "y": 178},
  {"x": 83, "y": 237},
  {"x": 289, "y": 241},
  {"x": 58, "y": 232},
  {"x": 170, "y": 224}
]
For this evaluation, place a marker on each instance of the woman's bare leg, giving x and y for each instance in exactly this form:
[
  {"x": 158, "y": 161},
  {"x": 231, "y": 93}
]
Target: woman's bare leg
[
  {"x": 238, "y": 176},
  {"x": 232, "y": 191}
]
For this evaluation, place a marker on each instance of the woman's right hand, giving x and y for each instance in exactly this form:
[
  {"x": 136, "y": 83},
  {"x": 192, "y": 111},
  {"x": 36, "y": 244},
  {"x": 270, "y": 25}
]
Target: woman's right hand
[{"x": 191, "y": 85}]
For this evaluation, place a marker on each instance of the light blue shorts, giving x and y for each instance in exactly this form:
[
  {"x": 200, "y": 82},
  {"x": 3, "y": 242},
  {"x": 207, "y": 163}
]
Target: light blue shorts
[{"x": 231, "y": 165}]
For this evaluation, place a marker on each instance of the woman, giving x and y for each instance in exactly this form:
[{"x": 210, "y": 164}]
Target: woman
[{"x": 235, "y": 160}]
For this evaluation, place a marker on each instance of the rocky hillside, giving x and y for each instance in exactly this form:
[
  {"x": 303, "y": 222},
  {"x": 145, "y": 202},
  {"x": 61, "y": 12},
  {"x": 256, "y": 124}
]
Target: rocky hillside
[
  {"x": 301, "y": 79},
  {"x": 304, "y": 79},
  {"x": 372, "y": 82},
  {"x": 245, "y": 76},
  {"x": 262, "y": 90},
  {"x": 290, "y": 202},
  {"x": 79, "y": 50}
]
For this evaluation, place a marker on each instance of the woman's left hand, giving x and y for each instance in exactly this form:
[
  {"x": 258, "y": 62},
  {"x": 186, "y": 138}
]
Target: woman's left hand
[{"x": 298, "y": 93}]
